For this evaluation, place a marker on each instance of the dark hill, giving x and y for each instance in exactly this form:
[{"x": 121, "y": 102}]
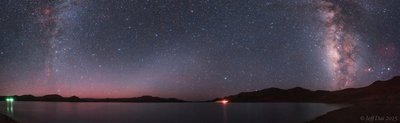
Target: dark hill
[
  {"x": 58, "y": 98},
  {"x": 136, "y": 99},
  {"x": 48, "y": 98},
  {"x": 378, "y": 102},
  {"x": 297, "y": 94},
  {"x": 378, "y": 92}
]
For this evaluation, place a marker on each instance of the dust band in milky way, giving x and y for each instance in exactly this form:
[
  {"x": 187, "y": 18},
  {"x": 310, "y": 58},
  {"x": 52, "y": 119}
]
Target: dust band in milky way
[
  {"x": 341, "y": 44},
  {"x": 49, "y": 18}
]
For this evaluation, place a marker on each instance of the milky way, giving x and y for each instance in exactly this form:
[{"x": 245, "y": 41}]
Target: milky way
[
  {"x": 194, "y": 50},
  {"x": 341, "y": 45},
  {"x": 52, "y": 19}
]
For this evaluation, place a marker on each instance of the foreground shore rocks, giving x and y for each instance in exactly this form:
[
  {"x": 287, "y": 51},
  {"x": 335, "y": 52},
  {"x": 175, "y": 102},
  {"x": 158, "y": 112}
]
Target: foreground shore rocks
[
  {"x": 365, "y": 113},
  {"x": 6, "y": 119}
]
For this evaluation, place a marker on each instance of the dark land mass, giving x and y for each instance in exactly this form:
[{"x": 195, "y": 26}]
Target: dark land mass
[
  {"x": 378, "y": 102},
  {"x": 6, "y": 119},
  {"x": 58, "y": 98},
  {"x": 378, "y": 92},
  {"x": 135, "y": 99},
  {"x": 363, "y": 113}
]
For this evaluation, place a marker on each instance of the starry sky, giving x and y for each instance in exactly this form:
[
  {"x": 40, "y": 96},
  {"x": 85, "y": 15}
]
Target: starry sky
[{"x": 194, "y": 49}]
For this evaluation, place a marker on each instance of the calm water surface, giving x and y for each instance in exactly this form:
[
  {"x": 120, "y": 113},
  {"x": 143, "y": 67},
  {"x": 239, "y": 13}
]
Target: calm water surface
[{"x": 63, "y": 112}]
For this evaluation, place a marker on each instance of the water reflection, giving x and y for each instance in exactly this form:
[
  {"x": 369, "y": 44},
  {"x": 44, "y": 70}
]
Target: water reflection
[
  {"x": 224, "y": 113},
  {"x": 10, "y": 108},
  {"x": 62, "y": 112}
]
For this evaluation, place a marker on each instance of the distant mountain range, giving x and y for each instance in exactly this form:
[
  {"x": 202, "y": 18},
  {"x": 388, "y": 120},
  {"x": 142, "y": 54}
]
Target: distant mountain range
[
  {"x": 379, "y": 100},
  {"x": 58, "y": 98},
  {"x": 378, "y": 92}
]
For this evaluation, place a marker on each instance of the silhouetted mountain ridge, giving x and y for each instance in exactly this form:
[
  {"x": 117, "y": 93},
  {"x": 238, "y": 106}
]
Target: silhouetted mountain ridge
[
  {"x": 380, "y": 99},
  {"x": 58, "y": 98},
  {"x": 378, "y": 92}
]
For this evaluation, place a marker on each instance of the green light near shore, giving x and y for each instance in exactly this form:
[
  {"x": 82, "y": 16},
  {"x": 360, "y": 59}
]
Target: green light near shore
[{"x": 10, "y": 99}]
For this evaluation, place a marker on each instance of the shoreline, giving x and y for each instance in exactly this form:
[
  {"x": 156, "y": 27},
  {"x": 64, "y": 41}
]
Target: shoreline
[
  {"x": 389, "y": 112},
  {"x": 366, "y": 112},
  {"x": 6, "y": 119}
]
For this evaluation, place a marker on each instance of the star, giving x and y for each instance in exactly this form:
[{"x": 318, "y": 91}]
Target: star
[{"x": 129, "y": 48}]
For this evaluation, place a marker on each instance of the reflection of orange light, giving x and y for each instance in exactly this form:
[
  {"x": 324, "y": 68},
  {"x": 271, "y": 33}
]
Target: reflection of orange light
[{"x": 223, "y": 101}]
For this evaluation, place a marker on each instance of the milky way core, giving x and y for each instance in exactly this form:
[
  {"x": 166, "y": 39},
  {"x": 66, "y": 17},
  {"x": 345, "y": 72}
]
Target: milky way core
[
  {"x": 194, "y": 49},
  {"x": 341, "y": 45}
]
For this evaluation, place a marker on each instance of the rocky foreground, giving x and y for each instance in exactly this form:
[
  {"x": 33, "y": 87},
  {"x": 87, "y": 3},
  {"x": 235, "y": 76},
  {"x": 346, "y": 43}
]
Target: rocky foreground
[
  {"x": 365, "y": 113},
  {"x": 6, "y": 119}
]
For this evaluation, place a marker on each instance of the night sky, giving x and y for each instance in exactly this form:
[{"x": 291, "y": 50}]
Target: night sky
[{"x": 194, "y": 49}]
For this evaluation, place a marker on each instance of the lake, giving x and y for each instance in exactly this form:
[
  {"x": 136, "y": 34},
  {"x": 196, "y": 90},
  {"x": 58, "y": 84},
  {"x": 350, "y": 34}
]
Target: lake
[{"x": 65, "y": 112}]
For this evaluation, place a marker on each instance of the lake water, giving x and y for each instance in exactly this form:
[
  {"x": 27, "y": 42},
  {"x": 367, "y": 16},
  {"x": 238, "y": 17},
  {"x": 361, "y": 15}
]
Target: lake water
[{"x": 63, "y": 112}]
